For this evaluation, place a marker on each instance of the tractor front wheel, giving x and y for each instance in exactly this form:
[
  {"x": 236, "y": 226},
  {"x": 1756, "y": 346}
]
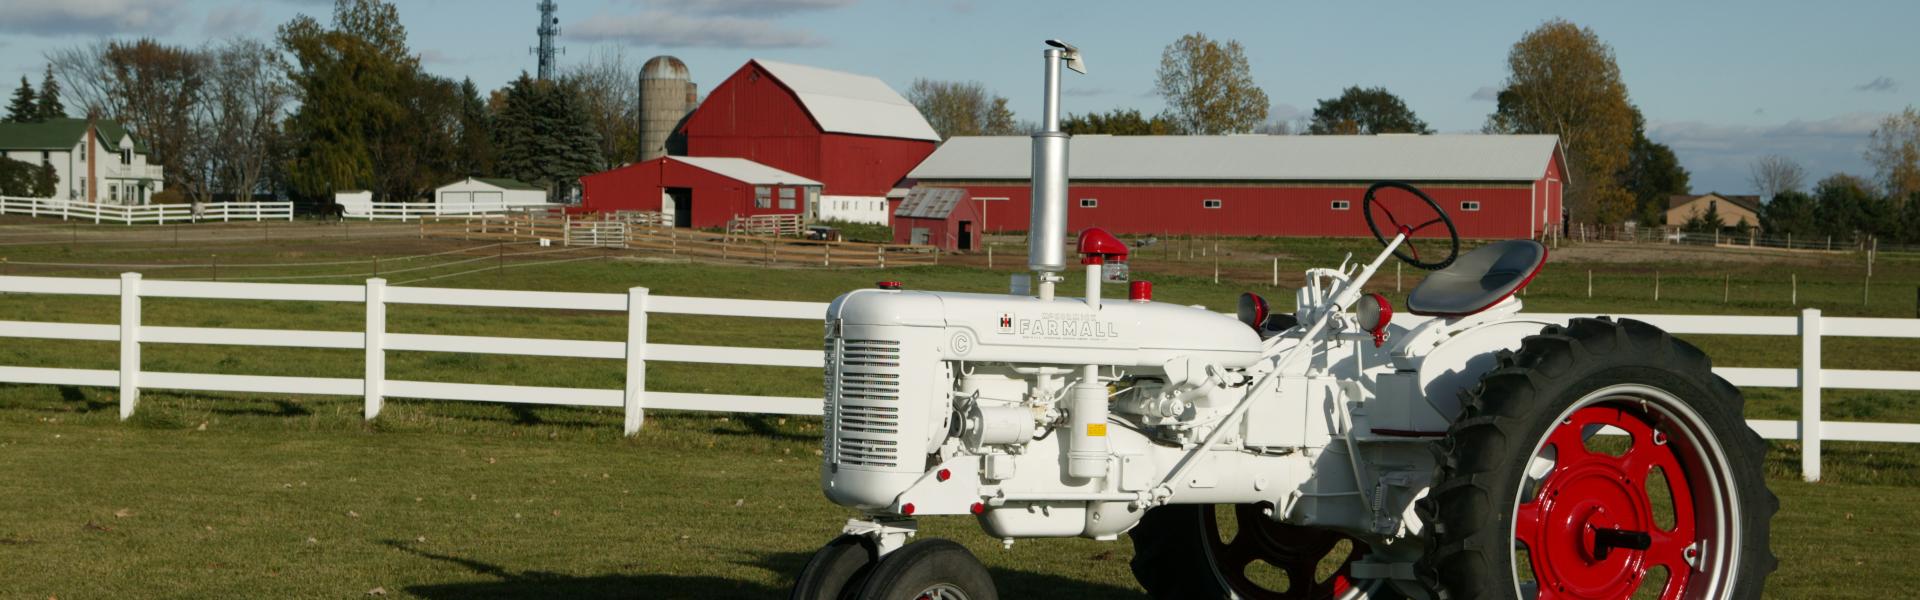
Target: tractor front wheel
[
  {"x": 1602, "y": 460},
  {"x": 836, "y": 571},
  {"x": 934, "y": 569}
]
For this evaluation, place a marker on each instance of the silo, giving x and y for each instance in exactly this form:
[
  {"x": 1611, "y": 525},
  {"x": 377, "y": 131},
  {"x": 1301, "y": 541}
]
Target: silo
[{"x": 667, "y": 95}]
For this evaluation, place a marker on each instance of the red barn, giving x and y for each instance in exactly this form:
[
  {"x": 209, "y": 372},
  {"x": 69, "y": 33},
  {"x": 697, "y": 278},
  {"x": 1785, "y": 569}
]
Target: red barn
[
  {"x": 1493, "y": 186},
  {"x": 699, "y": 191},
  {"x": 852, "y": 133}
]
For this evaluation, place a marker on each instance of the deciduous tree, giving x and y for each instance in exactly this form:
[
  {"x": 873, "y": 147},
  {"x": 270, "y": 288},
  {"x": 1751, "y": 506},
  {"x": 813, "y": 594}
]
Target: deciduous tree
[
  {"x": 1563, "y": 80},
  {"x": 158, "y": 87},
  {"x": 1208, "y": 86},
  {"x": 1894, "y": 152},
  {"x": 1362, "y": 111},
  {"x": 961, "y": 108},
  {"x": 1119, "y": 121},
  {"x": 350, "y": 78},
  {"x": 1773, "y": 174},
  {"x": 606, "y": 85}
]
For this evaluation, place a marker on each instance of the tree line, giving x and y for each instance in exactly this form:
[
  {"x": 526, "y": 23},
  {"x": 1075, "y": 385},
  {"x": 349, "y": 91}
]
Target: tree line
[{"x": 337, "y": 105}]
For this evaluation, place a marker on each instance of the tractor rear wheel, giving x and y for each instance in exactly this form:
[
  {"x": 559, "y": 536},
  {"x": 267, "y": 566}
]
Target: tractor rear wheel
[
  {"x": 1187, "y": 551},
  {"x": 934, "y": 569},
  {"x": 1602, "y": 460},
  {"x": 836, "y": 571}
]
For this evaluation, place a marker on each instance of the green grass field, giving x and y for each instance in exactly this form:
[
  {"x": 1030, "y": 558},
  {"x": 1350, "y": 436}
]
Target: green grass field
[{"x": 219, "y": 495}]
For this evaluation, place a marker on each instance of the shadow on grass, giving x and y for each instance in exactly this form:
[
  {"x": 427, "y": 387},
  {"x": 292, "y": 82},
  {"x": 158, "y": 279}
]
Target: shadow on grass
[
  {"x": 281, "y": 408},
  {"x": 510, "y": 584}
]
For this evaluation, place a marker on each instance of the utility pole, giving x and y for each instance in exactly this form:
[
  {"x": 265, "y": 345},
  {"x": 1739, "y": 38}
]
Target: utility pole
[{"x": 549, "y": 29}]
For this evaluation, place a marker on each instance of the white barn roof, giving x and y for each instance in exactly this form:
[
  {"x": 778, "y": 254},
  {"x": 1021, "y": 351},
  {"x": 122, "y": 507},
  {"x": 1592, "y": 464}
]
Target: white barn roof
[
  {"x": 848, "y": 103},
  {"x": 744, "y": 170},
  {"x": 1255, "y": 158}
]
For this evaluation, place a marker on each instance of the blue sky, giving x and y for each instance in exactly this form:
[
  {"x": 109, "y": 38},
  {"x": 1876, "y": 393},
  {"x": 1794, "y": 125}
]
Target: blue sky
[{"x": 1722, "y": 82}]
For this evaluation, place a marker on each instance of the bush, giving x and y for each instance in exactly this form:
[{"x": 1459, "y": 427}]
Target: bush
[{"x": 861, "y": 232}]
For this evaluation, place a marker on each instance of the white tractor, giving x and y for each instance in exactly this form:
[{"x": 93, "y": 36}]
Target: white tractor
[{"x": 1470, "y": 453}]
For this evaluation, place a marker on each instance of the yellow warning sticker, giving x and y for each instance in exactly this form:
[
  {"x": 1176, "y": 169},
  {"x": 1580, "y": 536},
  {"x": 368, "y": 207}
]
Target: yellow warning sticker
[{"x": 1096, "y": 430}]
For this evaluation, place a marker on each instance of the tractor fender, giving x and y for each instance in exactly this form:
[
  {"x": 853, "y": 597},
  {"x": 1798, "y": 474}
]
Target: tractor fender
[{"x": 1456, "y": 363}]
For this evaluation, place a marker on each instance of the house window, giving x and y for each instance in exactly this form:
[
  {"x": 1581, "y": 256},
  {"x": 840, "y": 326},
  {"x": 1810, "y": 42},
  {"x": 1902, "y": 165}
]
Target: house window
[
  {"x": 787, "y": 196},
  {"x": 1341, "y": 205},
  {"x": 762, "y": 197},
  {"x": 1470, "y": 206},
  {"x": 113, "y": 191},
  {"x": 1210, "y": 203},
  {"x": 126, "y": 157},
  {"x": 46, "y": 157},
  {"x": 1089, "y": 203}
]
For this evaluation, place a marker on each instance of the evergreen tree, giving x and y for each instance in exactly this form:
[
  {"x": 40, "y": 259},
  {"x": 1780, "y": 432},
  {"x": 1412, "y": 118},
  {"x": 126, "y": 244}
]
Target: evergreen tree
[
  {"x": 23, "y": 109},
  {"x": 1789, "y": 212},
  {"x": 50, "y": 106},
  {"x": 545, "y": 136},
  {"x": 474, "y": 152}
]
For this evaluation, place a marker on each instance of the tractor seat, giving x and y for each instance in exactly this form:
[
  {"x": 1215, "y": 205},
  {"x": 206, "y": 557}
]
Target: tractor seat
[{"x": 1478, "y": 280}]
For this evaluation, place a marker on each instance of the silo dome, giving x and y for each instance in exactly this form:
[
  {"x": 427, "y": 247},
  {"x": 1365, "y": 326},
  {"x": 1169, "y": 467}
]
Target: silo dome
[{"x": 665, "y": 67}]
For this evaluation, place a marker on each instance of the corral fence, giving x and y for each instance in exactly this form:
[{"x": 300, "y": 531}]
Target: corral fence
[
  {"x": 413, "y": 211},
  {"x": 639, "y": 231},
  {"x": 159, "y": 214},
  {"x": 1729, "y": 238},
  {"x": 375, "y": 387}
]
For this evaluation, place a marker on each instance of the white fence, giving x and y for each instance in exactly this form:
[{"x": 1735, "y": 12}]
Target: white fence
[
  {"x": 636, "y": 351},
  {"x": 151, "y": 213},
  {"x": 408, "y": 211}
]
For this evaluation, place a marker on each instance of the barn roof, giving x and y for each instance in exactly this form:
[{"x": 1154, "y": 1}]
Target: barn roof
[
  {"x": 1255, "y": 158},
  {"x": 929, "y": 203},
  {"x": 847, "y": 103},
  {"x": 743, "y": 170}
]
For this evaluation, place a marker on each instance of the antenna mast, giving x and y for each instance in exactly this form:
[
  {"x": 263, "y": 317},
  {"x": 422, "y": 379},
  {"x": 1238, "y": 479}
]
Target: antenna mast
[{"x": 549, "y": 29}]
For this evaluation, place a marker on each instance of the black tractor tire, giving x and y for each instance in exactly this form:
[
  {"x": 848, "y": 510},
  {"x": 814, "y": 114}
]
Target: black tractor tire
[
  {"x": 933, "y": 569},
  {"x": 1532, "y": 394},
  {"x": 836, "y": 571},
  {"x": 1173, "y": 560}
]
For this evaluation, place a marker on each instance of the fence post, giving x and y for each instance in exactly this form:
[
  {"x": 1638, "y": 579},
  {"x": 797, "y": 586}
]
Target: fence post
[
  {"x": 636, "y": 398},
  {"x": 1811, "y": 381},
  {"x": 375, "y": 379},
  {"x": 129, "y": 343}
]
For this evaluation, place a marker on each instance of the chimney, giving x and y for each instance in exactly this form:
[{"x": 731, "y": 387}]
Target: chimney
[{"x": 93, "y": 179}]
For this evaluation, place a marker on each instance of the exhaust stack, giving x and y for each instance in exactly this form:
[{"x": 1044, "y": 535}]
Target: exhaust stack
[{"x": 1047, "y": 228}]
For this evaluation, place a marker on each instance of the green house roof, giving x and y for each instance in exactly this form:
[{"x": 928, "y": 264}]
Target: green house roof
[
  {"x": 510, "y": 184},
  {"x": 61, "y": 134}
]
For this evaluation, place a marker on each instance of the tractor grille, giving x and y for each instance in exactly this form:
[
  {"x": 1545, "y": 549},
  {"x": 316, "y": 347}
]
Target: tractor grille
[{"x": 863, "y": 402}]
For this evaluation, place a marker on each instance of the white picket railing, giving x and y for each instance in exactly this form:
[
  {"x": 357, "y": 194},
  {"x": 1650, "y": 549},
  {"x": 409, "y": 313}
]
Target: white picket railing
[
  {"x": 408, "y": 211},
  {"x": 636, "y": 351},
  {"x": 150, "y": 213}
]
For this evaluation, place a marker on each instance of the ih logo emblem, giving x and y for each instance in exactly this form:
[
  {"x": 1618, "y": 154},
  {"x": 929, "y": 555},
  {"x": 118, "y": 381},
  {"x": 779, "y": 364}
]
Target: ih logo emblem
[{"x": 1006, "y": 322}]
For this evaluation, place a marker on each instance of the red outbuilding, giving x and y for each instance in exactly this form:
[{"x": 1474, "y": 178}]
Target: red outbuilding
[
  {"x": 937, "y": 216},
  {"x": 852, "y": 133},
  {"x": 1493, "y": 186},
  {"x": 699, "y": 191}
]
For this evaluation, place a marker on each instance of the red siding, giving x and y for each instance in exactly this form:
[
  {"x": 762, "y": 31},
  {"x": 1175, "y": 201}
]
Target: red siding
[
  {"x": 752, "y": 116},
  {"x": 1258, "y": 210},
  {"x": 716, "y": 198},
  {"x": 944, "y": 233}
]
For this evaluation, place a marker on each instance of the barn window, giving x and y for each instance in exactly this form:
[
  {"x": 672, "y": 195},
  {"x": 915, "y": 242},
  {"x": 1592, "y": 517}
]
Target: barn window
[
  {"x": 762, "y": 197},
  {"x": 787, "y": 195},
  {"x": 1210, "y": 203},
  {"x": 1341, "y": 205},
  {"x": 1089, "y": 203},
  {"x": 1470, "y": 206}
]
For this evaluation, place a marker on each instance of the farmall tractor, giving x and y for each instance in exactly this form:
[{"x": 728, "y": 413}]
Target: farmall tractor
[{"x": 1472, "y": 453}]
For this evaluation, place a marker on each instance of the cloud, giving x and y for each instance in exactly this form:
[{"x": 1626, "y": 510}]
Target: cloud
[
  {"x": 666, "y": 30},
  {"x": 436, "y": 57},
  {"x": 1879, "y": 84},
  {"x": 1282, "y": 111},
  {"x": 1086, "y": 91},
  {"x": 232, "y": 19},
  {"x": 1486, "y": 93},
  {"x": 1719, "y": 154},
  {"x": 745, "y": 8},
  {"x": 93, "y": 17}
]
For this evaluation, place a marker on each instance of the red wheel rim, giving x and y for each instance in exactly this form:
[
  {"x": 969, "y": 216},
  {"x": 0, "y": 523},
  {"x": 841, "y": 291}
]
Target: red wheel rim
[
  {"x": 1588, "y": 522},
  {"x": 1295, "y": 550}
]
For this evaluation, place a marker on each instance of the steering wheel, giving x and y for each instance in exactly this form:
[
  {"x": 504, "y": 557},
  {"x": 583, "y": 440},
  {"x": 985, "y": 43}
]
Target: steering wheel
[{"x": 1411, "y": 253}]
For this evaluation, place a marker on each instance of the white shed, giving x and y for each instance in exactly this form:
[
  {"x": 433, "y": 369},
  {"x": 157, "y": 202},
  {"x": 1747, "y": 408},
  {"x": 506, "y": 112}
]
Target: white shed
[
  {"x": 483, "y": 194},
  {"x": 354, "y": 203}
]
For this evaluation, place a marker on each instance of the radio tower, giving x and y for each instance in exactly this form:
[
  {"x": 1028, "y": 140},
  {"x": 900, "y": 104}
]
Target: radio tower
[{"x": 549, "y": 28}]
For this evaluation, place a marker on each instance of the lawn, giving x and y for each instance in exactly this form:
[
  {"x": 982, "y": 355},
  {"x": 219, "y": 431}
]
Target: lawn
[{"x": 216, "y": 495}]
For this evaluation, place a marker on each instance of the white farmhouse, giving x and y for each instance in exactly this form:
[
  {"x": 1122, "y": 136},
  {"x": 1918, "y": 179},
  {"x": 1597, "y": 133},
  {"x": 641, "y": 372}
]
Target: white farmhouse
[{"x": 95, "y": 161}]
